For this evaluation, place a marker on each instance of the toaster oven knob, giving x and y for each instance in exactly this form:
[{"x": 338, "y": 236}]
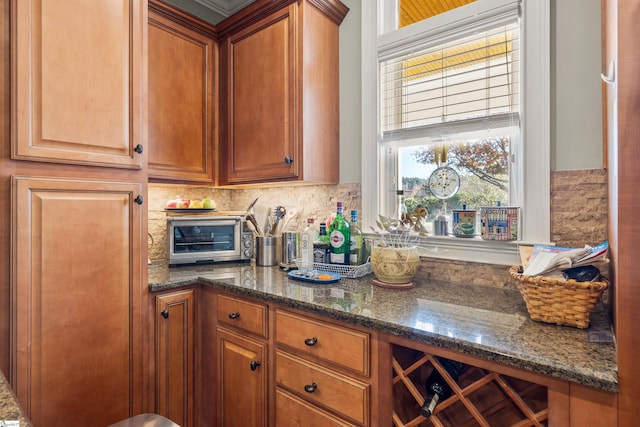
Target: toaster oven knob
[
  {"x": 247, "y": 243},
  {"x": 247, "y": 253}
]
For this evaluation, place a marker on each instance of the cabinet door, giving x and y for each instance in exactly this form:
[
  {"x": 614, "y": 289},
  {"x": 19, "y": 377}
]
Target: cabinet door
[
  {"x": 78, "y": 80},
  {"x": 175, "y": 325},
  {"x": 262, "y": 142},
  {"x": 242, "y": 380},
  {"x": 181, "y": 63},
  {"x": 77, "y": 289}
]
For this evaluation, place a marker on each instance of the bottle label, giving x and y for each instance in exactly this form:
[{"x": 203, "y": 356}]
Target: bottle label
[
  {"x": 306, "y": 251},
  {"x": 337, "y": 258},
  {"x": 353, "y": 258},
  {"x": 320, "y": 254},
  {"x": 337, "y": 239}
]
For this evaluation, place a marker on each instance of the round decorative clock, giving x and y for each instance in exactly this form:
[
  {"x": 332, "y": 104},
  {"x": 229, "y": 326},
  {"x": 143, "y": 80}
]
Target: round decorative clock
[{"x": 444, "y": 182}]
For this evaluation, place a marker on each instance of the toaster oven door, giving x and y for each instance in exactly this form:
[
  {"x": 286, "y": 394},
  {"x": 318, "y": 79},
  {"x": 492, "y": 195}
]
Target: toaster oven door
[{"x": 192, "y": 240}]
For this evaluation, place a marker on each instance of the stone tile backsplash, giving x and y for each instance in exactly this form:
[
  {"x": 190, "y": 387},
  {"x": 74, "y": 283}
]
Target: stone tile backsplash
[
  {"x": 316, "y": 201},
  {"x": 578, "y": 216}
]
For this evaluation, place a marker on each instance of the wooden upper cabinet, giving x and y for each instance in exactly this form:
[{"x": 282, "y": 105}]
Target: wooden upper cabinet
[
  {"x": 280, "y": 111},
  {"x": 78, "y": 81},
  {"x": 77, "y": 288},
  {"x": 182, "y": 57}
]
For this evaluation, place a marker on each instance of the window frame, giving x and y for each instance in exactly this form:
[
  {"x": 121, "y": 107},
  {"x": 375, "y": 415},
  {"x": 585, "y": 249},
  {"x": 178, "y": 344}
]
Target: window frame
[{"x": 533, "y": 163}]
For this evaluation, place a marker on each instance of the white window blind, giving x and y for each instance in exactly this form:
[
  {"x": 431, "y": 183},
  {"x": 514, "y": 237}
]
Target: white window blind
[{"x": 453, "y": 84}]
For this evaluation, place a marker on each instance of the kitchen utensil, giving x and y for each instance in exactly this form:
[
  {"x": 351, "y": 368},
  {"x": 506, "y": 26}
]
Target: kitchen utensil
[
  {"x": 253, "y": 224},
  {"x": 260, "y": 213},
  {"x": 278, "y": 213},
  {"x": 250, "y": 208},
  {"x": 268, "y": 222},
  {"x": 291, "y": 213}
]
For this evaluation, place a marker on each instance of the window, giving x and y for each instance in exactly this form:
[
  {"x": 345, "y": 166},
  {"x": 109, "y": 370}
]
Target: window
[{"x": 466, "y": 88}]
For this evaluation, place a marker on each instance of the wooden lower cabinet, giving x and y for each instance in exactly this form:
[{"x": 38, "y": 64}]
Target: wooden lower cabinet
[
  {"x": 324, "y": 387},
  {"x": 291, "y": 411},
  {"x": 277, "y": 366},
  {"x": 242, "y": 380},
  {"x": 175, "y": 358},
  {"x": 77, "y": 356},
  {"x": 490, "y": 394},
  {"x": 325, "y": 367}
]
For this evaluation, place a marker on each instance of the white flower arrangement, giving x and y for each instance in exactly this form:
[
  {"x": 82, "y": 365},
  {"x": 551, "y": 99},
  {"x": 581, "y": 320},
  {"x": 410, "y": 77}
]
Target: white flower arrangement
[{"x": 401, "y": 233}]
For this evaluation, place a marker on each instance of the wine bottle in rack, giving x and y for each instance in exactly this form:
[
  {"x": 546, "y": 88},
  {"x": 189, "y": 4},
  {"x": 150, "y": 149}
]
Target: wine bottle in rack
[{"x": 437, "y": 388}]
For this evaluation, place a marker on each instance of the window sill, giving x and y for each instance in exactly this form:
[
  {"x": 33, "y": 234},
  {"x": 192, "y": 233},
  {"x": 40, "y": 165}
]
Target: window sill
[{"x": 469, "y": 250}]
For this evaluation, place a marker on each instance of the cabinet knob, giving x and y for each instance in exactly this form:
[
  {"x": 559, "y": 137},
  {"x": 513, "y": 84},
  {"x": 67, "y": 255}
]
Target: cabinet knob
[
  {"x": 311, "y": 341},
  {"x": 234, "y": 315},
  {"x": 255, "y": 364},
  {"x": 138, "y": 200},
  {"x": 138, "y": 149},
  {"x": 165, "y": 313},
  {"x": 310, "y": 388},
  {"x": 288, "y": 160}
]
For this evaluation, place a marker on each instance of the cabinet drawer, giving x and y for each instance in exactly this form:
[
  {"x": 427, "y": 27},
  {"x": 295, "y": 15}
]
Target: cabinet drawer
[
  {"x": 244, "y": 315},
  {"x": 292, "y": 411},
  {"x": 323, "y": 386},
  {"x": 345, "y": 347}
]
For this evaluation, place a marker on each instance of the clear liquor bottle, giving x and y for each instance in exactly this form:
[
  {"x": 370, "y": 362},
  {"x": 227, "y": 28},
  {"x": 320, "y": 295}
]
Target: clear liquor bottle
[
  {"x": 356, "y": 247},
  {"x": 340, "y": 237}
]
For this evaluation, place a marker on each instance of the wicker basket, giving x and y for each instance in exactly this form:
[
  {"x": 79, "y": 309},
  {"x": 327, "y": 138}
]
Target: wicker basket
[{"x": 563, "y": 302}]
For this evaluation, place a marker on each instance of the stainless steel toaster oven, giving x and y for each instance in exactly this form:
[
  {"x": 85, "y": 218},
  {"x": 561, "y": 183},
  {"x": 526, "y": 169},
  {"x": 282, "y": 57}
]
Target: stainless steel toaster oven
[{"x": 193, "y": 239}]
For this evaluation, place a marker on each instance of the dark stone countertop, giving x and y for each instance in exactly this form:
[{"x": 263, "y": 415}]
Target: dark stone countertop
[
  {"x": 10, "y": 409},
  {"x": 490, "y": 323}
]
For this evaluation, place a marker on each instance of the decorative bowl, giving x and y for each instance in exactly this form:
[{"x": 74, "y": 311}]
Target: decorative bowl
[{"x": 394, "y": 265}]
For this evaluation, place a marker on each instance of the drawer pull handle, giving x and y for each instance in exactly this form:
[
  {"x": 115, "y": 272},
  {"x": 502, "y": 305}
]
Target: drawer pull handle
[
  {"x": 165, "y": 314},
  {"x": 310, "y": 388},
  {"x": 311, "y": 341},
  {"x": 234, "y": 315},
  {"x": 255, "y": 364}
]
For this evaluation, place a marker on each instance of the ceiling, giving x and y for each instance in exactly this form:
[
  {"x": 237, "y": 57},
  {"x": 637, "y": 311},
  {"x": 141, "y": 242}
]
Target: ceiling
[
  {"x": 211, "y": 11},
  {"x": 214, "y": 11},
  {"x": 224, "y": 7}
]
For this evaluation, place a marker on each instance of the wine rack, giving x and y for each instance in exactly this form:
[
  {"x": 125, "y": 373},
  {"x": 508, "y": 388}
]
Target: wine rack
[{"x": 480, "y": 397}]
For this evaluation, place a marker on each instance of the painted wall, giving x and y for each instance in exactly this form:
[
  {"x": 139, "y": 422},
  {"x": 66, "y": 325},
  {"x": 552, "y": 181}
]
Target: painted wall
[
  {"x": 350, "y": 93},
  {"x": 576, "y": 99}
]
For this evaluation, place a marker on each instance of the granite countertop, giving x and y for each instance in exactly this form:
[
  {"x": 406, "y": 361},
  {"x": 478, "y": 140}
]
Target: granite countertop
[
  {"x": 490, "y": 323},
  {"x": 10, "y": 409}
]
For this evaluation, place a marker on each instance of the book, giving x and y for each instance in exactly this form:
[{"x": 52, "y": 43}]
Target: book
[{"x": 547, "y": 259}]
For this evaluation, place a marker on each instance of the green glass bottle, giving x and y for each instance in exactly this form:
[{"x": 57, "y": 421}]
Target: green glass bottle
[
  {"x": 356, "y": 251},
  {"x": 340, "y": 238}
]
